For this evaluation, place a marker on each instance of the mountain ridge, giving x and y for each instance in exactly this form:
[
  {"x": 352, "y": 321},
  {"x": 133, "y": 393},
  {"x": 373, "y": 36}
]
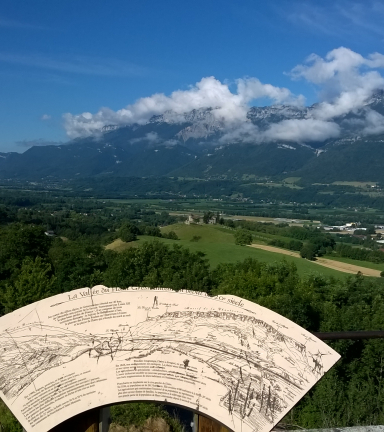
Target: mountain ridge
[{"x": 193, "y": 145}]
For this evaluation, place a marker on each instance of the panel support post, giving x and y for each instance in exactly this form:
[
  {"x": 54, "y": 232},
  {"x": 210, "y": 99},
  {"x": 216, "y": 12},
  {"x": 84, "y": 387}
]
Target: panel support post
[
  {"x": 207, "y": 425},
  {"x": 104, "y": 419},
  {"x": 195, "y": 427}
]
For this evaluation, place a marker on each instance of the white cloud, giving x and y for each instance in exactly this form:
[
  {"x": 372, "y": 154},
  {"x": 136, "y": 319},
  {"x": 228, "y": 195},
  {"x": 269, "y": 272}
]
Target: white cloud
[
  {"x": 244, "y": 133},
  {"x": 345, "y": 80},
  {"x": 374, "y": 123},
  {"x": 171, "y": 142},
  {"x": 318, "y": 70},
  {"x": 150, "y": 137},
  {"x": 296, "y": 130},
  {"x": 45, "y": 117},
  {"x": 302, "y": 130},
  {"x": 208, "y": 93}
]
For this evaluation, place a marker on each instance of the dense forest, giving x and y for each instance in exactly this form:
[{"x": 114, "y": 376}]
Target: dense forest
[{"x": 34, "y": 265}]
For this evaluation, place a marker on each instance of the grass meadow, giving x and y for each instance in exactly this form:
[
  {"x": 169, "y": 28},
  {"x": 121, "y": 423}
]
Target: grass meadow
[{"x": 218, "y": 245}]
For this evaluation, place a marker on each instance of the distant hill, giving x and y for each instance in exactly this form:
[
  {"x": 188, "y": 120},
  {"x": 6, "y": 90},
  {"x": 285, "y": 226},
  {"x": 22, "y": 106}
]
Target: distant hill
[{"x": 360, "y": 159}]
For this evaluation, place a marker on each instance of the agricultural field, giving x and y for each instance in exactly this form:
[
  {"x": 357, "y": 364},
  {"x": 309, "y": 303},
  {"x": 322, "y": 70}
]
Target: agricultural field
[
  {"x": 291, "y": 222},
  {"x": 291, "y": 185},
  {"x": 370, "y": 265},
  {"x": 292, "y": 179},
  {"x": 219, "y": 246},
  {"x": 355, "y": 184},
  {"x": 352, "y": 266}
]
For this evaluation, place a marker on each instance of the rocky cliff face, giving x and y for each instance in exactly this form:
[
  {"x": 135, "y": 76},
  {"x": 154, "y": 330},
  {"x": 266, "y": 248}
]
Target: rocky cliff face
[
  {"x": 198, "y": 123},
  {"x": 265, "y": 116}
]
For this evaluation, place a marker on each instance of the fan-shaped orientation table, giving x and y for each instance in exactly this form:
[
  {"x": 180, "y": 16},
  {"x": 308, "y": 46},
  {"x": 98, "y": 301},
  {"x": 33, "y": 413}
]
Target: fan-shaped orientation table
[{"x": 222, "y": 356}]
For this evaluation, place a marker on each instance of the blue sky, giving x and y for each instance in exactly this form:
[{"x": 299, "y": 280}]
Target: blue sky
[{"x": 72, "y": 57}]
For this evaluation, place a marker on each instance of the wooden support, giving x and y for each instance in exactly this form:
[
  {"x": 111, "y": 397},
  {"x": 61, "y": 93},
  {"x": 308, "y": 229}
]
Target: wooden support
[
  {"x": 208, "y": 425},
  {"x": 104, "y": 419}
]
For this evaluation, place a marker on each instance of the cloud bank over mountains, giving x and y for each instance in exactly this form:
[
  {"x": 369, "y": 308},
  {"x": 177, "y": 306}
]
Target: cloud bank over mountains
[
  {"x": 345, "y": 81},
  {"x": 229, "y": 107}
]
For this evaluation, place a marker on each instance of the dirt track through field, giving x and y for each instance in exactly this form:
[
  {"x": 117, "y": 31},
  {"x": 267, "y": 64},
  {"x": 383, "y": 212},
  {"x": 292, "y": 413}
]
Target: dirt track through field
[{"x": 335, "y": 265}]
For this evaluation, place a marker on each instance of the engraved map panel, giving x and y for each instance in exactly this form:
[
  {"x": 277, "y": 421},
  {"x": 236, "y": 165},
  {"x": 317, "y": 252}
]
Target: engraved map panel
[{"x": 223, "y": 356}]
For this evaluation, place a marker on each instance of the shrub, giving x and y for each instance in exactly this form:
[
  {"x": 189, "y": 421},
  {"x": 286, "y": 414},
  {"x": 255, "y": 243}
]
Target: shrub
[
  {"x": 243, "y": 237},
  {"x": 171, "y": 235}
]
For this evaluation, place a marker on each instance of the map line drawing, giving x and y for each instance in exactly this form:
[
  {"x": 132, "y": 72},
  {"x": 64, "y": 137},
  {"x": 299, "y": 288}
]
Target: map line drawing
[{"x": 248, "y": 367}]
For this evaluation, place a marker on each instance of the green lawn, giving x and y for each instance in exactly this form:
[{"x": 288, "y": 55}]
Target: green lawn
[{"x": 219, "y": 246}]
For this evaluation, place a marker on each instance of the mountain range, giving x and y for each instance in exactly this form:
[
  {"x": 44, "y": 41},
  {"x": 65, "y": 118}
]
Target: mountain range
[{"x": 198, "y": 145}]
